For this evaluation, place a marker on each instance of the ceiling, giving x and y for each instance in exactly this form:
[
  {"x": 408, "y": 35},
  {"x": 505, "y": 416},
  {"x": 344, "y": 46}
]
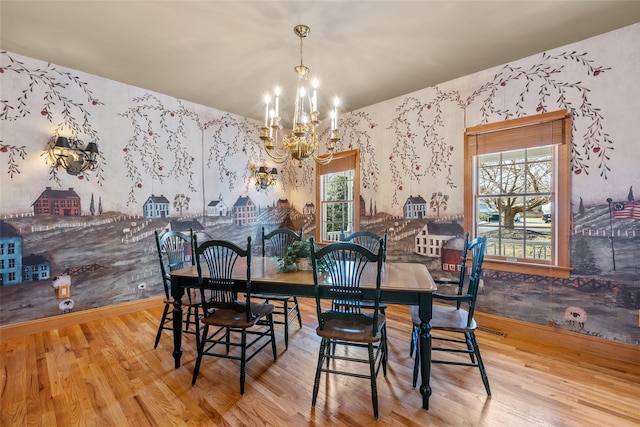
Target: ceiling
[{"x": 228, "y": 54}]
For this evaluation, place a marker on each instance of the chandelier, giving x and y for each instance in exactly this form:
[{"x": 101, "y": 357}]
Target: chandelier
[{"x": 303, "y": 141}]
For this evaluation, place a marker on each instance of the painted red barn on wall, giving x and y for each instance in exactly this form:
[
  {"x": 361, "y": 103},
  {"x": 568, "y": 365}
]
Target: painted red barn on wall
[
  {"x": 58, "y": 203},
  {"x": 451, "y": 255}
]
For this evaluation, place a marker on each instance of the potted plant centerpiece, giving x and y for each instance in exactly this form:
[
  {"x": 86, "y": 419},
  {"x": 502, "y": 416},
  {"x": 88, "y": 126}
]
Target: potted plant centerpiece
[{"x": 298, "y": 257}]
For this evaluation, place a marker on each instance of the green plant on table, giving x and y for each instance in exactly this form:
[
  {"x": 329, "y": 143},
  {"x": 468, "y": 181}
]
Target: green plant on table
[{"x": 298, "y": 249}]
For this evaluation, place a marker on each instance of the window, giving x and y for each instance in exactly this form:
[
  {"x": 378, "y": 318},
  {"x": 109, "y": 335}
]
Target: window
[
  {"x": 338, "y": 196},
  {"x": 517, "y": 175}
]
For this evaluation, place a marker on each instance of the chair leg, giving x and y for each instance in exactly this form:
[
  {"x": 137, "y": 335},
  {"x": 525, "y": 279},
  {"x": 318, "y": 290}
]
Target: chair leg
[
  {"x": 374, "y": 388},
  {"x": 295, "y": 300},
  {"x": 412, "y": 344},
  {"x": 243, "y": 361},
  {"x": 203, "y": 341},
  {"x": 483, "y": 373},
  {"x": 161, "y": 327},
  {"x": 470, "y": 346},
  {"x": 385, "y": 352},
  {"x": 273, "y": 337},
  {"x": 285, "y": 309},
  {"x": 416, "y": 363},
  {"x": 316, "y": 383},
  {"x": 197, "y": 324}
]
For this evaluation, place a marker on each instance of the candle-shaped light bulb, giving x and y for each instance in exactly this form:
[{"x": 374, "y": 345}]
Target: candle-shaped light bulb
[
  {"x": 277, "y": 93},
  {"x": 266, "y": 110},
  {"x": 271, "y": 116},
  {"x": 314, "y": 99}
]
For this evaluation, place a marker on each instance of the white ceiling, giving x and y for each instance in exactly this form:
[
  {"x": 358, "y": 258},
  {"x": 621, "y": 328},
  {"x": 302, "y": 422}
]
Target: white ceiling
[{"x": 228, "y": 54}]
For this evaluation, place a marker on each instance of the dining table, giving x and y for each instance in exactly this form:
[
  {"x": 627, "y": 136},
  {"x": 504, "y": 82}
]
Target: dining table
[{"x": 405, "y": 283}]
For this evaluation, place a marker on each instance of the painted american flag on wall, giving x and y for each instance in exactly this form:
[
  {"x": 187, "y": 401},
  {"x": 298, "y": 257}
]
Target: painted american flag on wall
[{"x": 629, "y": 210}]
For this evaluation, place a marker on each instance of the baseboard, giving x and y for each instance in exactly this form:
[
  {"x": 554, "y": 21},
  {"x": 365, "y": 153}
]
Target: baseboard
[
  {"x": 570, "y": 340},
  {"x": 76, "y": 318}
]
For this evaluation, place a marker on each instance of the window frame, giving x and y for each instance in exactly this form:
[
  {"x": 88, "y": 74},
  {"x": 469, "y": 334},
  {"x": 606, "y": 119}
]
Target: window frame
[
  {"x": 486, "y": 139},
  {"x": 340, "y": 162}
]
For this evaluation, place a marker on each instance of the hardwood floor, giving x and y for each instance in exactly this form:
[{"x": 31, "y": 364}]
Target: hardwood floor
[{"x": 106, "y": 372}]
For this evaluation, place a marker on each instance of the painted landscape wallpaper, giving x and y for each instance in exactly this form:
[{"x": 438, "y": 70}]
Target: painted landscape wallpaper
[{"x": 76, "y": 242}]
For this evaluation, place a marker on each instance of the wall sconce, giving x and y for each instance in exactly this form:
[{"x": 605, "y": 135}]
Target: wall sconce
[
  {"x": 264, "y": 178},
  {"x": 72, "y": 156}
]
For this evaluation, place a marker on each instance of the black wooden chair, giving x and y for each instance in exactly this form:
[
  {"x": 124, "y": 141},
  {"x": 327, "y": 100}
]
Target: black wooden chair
[
  {"x": 453, "y": 318},
  {"x": 224, "y": 316},
  {"x": 341, "y": 322},
  {"x": 371, "y": 241},
  {"x": 459, "y": 286},
  {"x": 286, "y": 306},
  {"x": 173, "y": 248},
  {"x": 368, "y": 239}
]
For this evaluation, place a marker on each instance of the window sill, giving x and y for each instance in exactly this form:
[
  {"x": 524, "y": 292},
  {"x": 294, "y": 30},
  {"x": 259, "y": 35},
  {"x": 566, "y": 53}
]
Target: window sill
[{"x": 521, "y": 267}]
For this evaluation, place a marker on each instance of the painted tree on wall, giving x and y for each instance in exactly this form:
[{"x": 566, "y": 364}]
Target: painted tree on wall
[
  {"x": 420, "y": 150},
  {"x": 181, "y": 202},
  {"x": 159, "y": 144},
  {"x": 227, "y": 136},
  {"x": 157, "y": 148},
  {"x": 542, "y": 84},
  {"x": 438, "y": 201},
  {"x": 356, "y": 128},
  {"x": 52, "y": 91},
  {"x": 13, "y": 152}
]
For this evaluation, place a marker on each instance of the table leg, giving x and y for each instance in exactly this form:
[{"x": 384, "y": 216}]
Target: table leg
[
  {"x": 425, "y": 351},
  {"x": 177, "y": 292}
]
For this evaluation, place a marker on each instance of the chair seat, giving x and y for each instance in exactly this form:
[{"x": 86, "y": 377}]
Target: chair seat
[
  {"x": 372, "y": 305},
  {"x": 446, "y": 318},
  {"x": 234, "y": 319},
  {"x": 345, "y": 330},
  {"x": 271, "y": 297}
]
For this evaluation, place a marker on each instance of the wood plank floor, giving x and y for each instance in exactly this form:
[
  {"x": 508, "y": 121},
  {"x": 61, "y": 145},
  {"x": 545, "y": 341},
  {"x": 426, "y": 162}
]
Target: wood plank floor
[{"x": 106, "y": 373}]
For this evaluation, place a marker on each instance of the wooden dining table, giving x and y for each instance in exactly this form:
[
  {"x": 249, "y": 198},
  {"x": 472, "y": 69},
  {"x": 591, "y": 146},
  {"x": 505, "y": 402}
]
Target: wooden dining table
[{"x": 401, "y": 283}]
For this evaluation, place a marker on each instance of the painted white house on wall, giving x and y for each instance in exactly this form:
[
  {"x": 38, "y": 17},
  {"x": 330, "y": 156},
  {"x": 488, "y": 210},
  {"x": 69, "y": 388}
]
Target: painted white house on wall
[{"x": 415, "y": 208}]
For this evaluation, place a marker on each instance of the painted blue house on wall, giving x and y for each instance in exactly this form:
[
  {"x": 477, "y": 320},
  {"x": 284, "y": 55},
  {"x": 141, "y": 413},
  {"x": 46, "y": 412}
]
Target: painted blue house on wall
[
  {"x": 156, "y": 207},
  {"x": 35, "y": 267},
  {"x": 10, "y": 255}
]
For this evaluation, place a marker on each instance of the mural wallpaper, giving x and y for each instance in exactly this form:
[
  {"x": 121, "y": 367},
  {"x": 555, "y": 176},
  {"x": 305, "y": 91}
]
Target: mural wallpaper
[{"x": 76, "y": 242}]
